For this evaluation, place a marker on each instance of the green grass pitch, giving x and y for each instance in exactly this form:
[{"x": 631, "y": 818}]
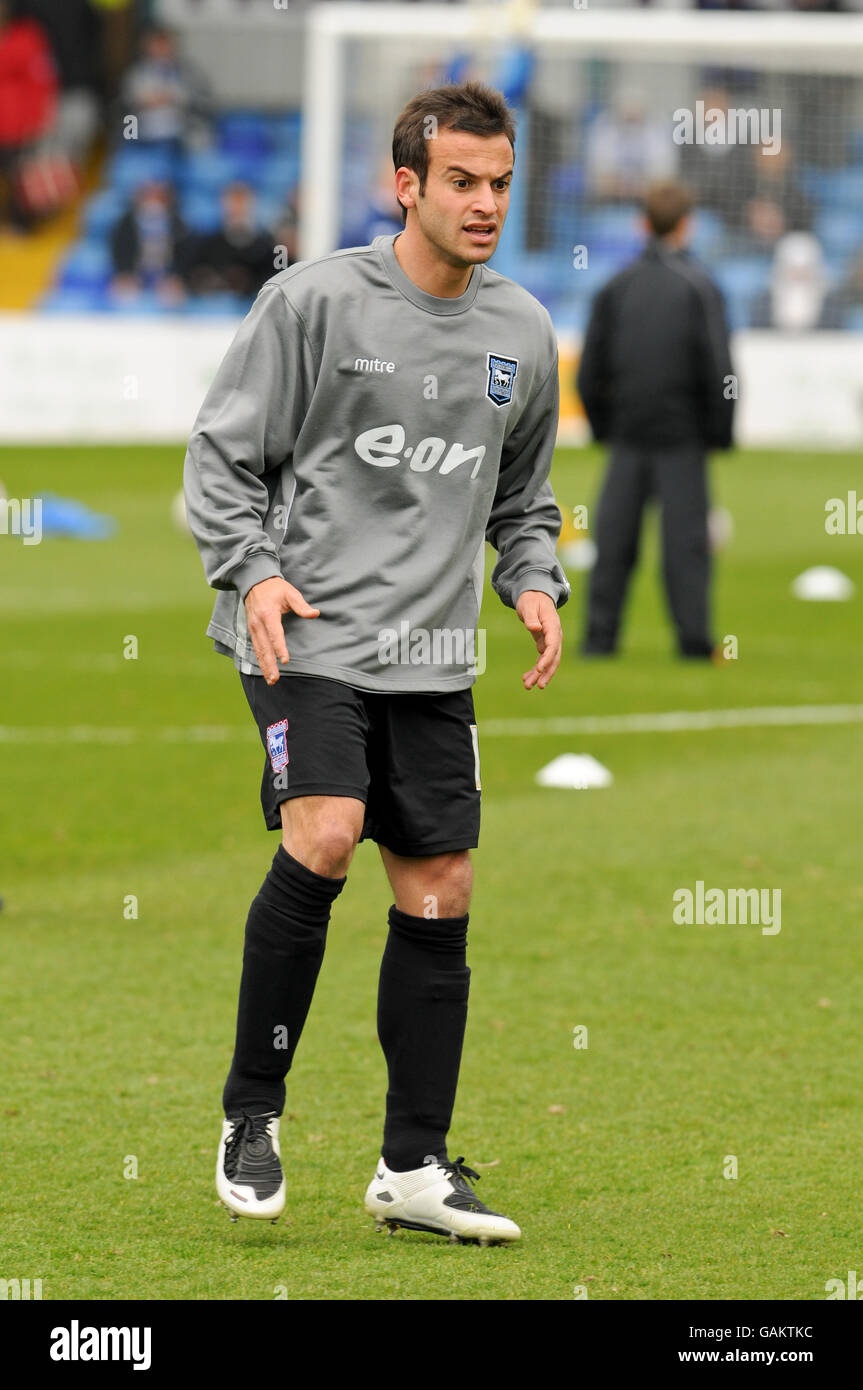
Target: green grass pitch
[{"x": 704, "y": 1042}]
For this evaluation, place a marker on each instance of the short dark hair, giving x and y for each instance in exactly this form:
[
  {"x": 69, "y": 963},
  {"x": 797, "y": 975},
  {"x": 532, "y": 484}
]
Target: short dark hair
[
  {"x": 665, "y": 206},
  {"x": 468, "y": 106}
]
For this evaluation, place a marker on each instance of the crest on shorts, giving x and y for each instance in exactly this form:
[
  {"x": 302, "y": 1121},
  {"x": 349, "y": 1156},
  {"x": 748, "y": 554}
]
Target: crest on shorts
[
  {"x": 501, "y": 375},
  {"x": 277, "y": 744}
]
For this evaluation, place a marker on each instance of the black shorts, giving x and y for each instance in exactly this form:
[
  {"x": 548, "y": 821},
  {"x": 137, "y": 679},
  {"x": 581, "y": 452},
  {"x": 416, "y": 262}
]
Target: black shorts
[{"x": 413, "y": 759}]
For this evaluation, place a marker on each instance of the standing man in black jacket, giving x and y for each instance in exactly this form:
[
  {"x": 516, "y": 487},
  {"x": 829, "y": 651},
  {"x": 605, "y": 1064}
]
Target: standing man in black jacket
[{"x": 656, "y": 381}]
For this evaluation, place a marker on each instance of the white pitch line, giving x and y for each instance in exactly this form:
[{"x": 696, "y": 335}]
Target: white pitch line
[
  {"x": 673, "y": 721},
  {"x": 100, "y": 733},
  {"x": 676, "y": 721}
]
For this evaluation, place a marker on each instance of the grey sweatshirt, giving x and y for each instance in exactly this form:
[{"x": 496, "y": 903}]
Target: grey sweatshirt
[{"x": 363, "y": 439}]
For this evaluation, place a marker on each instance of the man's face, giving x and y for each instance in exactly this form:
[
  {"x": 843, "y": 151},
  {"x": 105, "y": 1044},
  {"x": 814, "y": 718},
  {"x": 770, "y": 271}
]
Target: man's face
[
  {"x": 466, "y": 199},
  {"x": 237, "y": 203},
  {"x": 159, "y": 47}
]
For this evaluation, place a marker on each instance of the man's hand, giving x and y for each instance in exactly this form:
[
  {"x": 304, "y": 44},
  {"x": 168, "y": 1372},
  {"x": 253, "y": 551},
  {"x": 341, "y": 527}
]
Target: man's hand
[
  {"x": 265, "y": 604},
  {"x": 539, "y": 615}
]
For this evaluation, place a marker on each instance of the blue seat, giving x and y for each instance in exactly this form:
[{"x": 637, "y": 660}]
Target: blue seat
[
  {"x": 285, "y": 132},
  {"x": 279, "y": 176},
  {"x": 814, "y": 180},
  {"x": 86, "y": 267},
  {"x": 842, "y": 189},
  {"x": 209, "y": 170},
  {"x": 615, "y": 230},
  {"x": 567, "y": 181},
  {"x": 245, "y": 133},
  {"x": 854, "y": 318},
  {"x": 708, "y": 233},
  {"x": 200, "y": 210},
  {"x": 103, "y": 211},
  {"x": 134, "y": 164},
  {"x": 840, "y": 230},
  {"x": 743, "y": 275}
]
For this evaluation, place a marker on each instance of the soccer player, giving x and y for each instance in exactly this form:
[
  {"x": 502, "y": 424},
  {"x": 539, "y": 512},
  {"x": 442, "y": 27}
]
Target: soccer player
[{"x": 381, "y": 413}]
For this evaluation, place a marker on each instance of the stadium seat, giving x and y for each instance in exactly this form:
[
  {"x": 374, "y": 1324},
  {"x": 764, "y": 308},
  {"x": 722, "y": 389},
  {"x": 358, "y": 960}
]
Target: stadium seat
[
  {"x": 200, "y": 210},
  {"x": 741, "y": 279},
  {"x": 612, "y": 229},
  {"x": 842, "y": 189},
  {"x": 708, "y": 233},
  {"x": 135, "y": 164},
  {"x": 103, "y": 211},
  {"x": 839, "y": 230},
  {"x": 87, "y": 267},
  {"x": 285, "y": 132},
  {"x": 245, "y": 133},
  {"x": 279, "y": 176},
  {"x": 743, "y": 274},
  {"x": 207, "y": 171}
]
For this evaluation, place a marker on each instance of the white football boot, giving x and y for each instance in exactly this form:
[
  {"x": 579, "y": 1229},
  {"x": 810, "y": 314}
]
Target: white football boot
[
  {"x": 249, "y": 1177},
  {"x": 436, "y": 1198}
]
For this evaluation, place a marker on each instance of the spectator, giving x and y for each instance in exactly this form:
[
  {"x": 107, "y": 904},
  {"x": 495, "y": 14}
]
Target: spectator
[
  {"x": 799, "y": 298},
  {"x": 28, "y": 104},
  {"x": 776, "y": 204},
  {"x": 168, "y": 97},
  {"x": 149, "y": 247},
  {"x": 239, "y": 257},
  {"x": 74, "y": 31},
  {"x": 720, "y": 174},
  {"x": 625, "y": 150}
]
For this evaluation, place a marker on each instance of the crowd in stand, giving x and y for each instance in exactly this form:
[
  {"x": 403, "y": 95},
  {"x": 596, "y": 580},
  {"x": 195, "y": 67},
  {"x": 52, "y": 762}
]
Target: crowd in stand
[{"x": 71, "y": 70}]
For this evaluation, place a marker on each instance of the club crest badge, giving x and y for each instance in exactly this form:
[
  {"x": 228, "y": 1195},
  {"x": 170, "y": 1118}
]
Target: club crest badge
[
  {"x": 277, "y": 744},
  {"x": 501, "y": 376}
]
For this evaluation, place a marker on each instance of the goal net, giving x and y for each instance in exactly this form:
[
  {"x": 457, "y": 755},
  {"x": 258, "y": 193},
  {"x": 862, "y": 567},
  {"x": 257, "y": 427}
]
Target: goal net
[{"x": 761, "y": 114}]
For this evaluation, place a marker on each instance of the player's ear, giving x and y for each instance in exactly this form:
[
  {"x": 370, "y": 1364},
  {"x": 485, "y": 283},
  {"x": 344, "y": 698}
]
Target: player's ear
[{"x": 407, "y": 186}]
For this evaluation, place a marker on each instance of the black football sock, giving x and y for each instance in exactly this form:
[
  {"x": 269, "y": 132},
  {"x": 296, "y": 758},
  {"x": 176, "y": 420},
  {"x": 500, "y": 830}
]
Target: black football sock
[
  {"x": 422, "y": 1012},
  {"x": 286, "y": 932}
]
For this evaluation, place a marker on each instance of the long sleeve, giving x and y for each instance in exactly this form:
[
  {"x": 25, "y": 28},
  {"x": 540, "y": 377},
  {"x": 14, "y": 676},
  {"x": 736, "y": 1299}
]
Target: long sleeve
[
  {"x": 524, "y": 522},
  {"x": 714, "y": 358},
  {"x": 246, "y": 429}
]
